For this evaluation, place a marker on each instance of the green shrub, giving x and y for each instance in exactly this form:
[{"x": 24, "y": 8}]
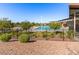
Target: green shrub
[
  {"x": 48, "y": 35},
  {"x": 38, "y": 34},
  {"x": 61, "y": 34},
  {"x": 44, "y": 34},
  {"x": 5, "y": 37},
  {"x": 34, "y": 34},
  {"x": 53, "y": 34},
  {"x": 17, "y": 33},
  {"x": 23, "y": 38},
  {"x": 25, "y": 32},
  {"x": 70, "y": 34}
]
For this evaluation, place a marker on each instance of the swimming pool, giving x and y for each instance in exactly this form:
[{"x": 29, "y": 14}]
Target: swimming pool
[{"x": 43, "y": 28}]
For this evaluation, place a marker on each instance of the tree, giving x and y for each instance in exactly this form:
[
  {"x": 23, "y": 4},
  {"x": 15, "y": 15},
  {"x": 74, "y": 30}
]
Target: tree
[
  {"x": 5, "y": 24},
  {"x": 35, "y": 24},
  {"x": 55, "y": 25},
  {"x": 25, "y": 25}
]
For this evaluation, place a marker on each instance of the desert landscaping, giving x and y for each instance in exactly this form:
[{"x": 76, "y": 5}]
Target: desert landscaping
[{"x": 40, "y": 47}]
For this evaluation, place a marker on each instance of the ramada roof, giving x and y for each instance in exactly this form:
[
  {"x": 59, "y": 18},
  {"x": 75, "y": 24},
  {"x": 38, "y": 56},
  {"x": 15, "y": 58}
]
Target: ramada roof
[{"x": 74, "y": 5}]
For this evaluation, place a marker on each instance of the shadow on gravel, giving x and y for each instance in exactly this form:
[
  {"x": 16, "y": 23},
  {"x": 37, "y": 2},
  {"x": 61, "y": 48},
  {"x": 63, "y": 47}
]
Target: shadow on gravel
[
  {"x": 13, "y": 40},
  {"x": 32, "y": 41}
]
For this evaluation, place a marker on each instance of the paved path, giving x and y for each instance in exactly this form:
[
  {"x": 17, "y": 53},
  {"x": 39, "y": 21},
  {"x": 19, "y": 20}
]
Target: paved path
[{"x": 40, "y": 47}]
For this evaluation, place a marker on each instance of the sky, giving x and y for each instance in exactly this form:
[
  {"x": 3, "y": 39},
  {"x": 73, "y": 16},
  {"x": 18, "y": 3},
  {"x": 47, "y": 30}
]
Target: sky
[{"x": 34, "y": 12}]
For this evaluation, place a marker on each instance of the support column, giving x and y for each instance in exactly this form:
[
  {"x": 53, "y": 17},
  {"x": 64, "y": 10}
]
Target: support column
[{"x": 74, "y": 23}]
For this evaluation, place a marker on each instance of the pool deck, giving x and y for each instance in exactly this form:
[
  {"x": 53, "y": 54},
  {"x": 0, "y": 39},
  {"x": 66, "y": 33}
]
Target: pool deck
[{"x": 40, "y": 47}]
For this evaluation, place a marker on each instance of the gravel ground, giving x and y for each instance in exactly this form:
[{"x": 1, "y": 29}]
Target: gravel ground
[{"x": 40, "y": 47}]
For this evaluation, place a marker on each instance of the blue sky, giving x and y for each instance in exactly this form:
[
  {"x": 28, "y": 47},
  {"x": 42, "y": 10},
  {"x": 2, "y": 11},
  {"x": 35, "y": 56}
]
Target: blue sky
[{"x": 34, "y": 12}]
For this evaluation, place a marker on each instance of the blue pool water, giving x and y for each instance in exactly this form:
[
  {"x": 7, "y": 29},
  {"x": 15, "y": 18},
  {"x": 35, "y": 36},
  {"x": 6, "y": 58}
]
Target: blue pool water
[{"x": 43, "y": 28}]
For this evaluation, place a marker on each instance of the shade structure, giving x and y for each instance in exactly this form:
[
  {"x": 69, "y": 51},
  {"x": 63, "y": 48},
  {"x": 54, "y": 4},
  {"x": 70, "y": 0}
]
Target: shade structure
[
  {"x": 74, "y": 5},
  {"x": 74, "y": 13}
]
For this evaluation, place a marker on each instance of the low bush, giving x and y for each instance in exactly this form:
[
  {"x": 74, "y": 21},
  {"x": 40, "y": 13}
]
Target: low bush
[
  {"x": 53, "y": 34},
  {"x": 23, "y": 38},
  {"x": 5, "y": 37},
  {"x": 61, "y": 34},
  {"x": 38, "y": 34},
  {"x": 48, "y": 35},
  {"x": 33, "y": 35},
  {"x": 70, "y": 34},
  {"x": 44, "y": 34}
]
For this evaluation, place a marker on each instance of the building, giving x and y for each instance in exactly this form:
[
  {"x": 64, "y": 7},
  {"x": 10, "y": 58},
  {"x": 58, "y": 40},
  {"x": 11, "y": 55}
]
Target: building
[{"x": 73, "y": 20}]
